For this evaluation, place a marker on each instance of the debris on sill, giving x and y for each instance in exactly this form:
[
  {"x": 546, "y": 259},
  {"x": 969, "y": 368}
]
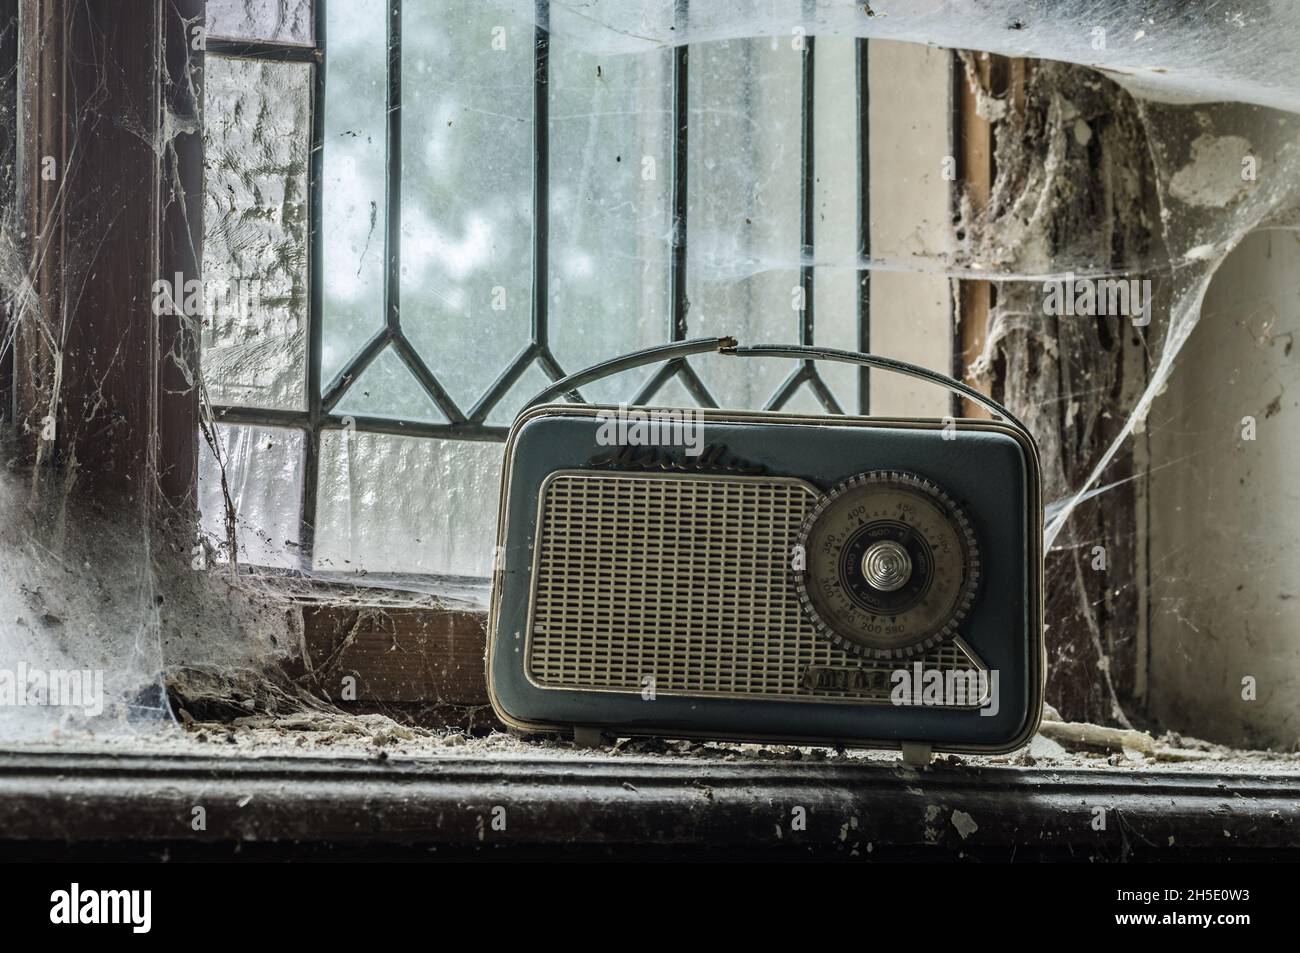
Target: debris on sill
[
  {"x": 1126, "y": 745},
  {"x": 1076, "y": 736},
  {"x": 379, "y": 737},
  {"x": 251, "y": 713},
  {"x": 211, "y": 693}
]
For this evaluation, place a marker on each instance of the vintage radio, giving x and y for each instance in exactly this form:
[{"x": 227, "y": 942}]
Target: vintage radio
[{"x": 769, "y": 577}]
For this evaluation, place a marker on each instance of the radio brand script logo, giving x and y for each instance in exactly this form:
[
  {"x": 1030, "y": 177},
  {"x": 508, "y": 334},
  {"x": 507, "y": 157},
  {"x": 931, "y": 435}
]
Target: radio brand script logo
[
  {"x": 74, "y": 906},
  {"x": 624, "y": 427}
]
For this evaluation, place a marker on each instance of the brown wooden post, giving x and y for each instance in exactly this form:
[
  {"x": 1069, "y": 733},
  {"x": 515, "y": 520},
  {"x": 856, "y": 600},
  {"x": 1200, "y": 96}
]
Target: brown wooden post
[
  {"x": 181, "y": 249},
  {"x": 110, "y": 186},
  {"x": 1092, "y": 613},
  {"x": 8, "y": 175}
]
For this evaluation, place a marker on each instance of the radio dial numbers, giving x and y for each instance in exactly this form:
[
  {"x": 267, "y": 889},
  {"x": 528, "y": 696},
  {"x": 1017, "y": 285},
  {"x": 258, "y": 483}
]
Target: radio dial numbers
[{"x": 892, "y": 565}]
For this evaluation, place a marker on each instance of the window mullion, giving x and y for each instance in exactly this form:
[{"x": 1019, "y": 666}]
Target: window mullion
[
  {"x": 315, "y": 322},
  {"x": 393, "y": 172},
  {"x": 864, "y": 222},
  {"x": 541, "y": 173},
  {"x": 807, "y": 197},
  {"x": 677, "y": 264},
  {"x": 267, "y": 51}
]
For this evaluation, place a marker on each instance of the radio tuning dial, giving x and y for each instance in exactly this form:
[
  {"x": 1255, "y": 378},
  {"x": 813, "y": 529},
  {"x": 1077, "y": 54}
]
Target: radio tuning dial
[{"x": 892, "y": 565}]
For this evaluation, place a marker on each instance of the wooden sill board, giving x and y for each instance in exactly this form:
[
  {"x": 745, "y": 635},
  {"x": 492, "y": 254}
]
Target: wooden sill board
[
  {"x": 629, "y": 806},
  {"x": 398, "y": 656}
]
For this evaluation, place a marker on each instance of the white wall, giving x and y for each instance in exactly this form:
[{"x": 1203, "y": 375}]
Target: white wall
[
  {"x": 1225, "y": 512},
  {"x": 911, "y": 312}
]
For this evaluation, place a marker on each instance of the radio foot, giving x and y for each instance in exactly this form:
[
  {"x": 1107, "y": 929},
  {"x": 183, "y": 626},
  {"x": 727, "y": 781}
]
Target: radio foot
[
  {"x": 916, "y": 754},
  {"x": 588, "y": 737}
]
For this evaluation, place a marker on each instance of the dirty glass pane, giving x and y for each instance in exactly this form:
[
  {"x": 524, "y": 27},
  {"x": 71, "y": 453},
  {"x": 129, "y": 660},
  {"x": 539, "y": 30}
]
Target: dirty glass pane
[
  {"x": 354, "y": 212},
  {"x": 256, "y": 140},
  {"x": 406, "y": 505},
  {"x": 467, "y": 88},
  {"x": 530, "y": 383},
  {"x": 743, "y": 207},
  {"x": 387, "y": 388},
  {"x": 835, "y": 208},
  {"x": 611, "y": 208},
  {"x": 282, "y": 21},
  {"x": 263, "y": 471}
]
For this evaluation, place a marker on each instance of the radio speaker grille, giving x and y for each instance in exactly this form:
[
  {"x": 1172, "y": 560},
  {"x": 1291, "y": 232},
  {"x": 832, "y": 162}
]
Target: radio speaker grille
[{"x": 682, "y": 583}]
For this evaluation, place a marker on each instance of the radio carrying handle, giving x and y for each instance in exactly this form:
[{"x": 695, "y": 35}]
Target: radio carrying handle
[{"x": 806, "y": 352}]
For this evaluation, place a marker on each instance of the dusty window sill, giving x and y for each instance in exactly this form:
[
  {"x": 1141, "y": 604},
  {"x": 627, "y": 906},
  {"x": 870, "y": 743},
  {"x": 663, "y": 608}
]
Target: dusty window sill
[{"x": 330, "y": 790}]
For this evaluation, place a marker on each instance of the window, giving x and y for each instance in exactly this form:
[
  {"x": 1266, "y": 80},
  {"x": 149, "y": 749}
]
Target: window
[{"x": 443, "y": 207}]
